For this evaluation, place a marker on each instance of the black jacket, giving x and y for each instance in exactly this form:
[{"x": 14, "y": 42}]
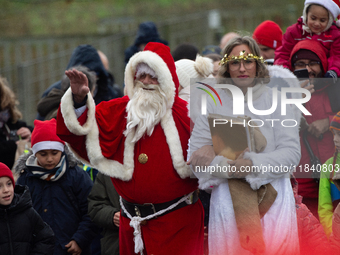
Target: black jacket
[
  {"x": 87, "y": 55},
  {"x": 22, "y": 231},
  {"x": 8, "y": 147}
]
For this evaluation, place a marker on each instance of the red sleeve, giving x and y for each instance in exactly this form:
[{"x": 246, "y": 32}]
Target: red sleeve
[
  {"x": 334, "y": 53},
  {"x": 282, "y": 54},
  {"x": 76, "y": 142}
]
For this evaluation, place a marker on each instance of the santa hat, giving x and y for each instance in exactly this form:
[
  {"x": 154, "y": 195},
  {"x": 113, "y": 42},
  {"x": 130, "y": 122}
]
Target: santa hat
[
  {"x": 331, "y": 6},
  {"x": 44, "y": 136},
  {"x": 202, "y": 67},
  {"x": 335, "y": 124},
  {"x": 6, "y": 172},
  {"x": 157, "y": 56},
  {"x": 269, "y": 34}
]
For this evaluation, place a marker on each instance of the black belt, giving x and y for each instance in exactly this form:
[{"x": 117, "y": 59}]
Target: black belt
[{"x": 149, "y": 208}]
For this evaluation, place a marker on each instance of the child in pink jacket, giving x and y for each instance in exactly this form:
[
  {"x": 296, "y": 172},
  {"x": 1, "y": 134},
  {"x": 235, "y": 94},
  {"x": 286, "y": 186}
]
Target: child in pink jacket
[{"x": 317, "y": 23}]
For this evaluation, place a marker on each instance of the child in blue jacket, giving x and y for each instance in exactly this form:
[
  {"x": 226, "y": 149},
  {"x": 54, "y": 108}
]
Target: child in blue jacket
[{"x": 59, "y": 189}]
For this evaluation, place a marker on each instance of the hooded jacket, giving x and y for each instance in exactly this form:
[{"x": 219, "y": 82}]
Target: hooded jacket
[
  {"x": 330, "y": 41},
  {"x": 87, "y": 55},
  {"x": 320, "y": 108},
  {"x": 147, "y": 32},
  {"x": 22, "y": 231},
  {"x": 62, "y": 203}
]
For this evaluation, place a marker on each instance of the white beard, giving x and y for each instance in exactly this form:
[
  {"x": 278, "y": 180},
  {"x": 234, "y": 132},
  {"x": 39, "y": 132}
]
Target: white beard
[{"x": 145, "y": 110}]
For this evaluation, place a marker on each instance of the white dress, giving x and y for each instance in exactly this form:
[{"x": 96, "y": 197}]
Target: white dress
[{"x": 279, "y": 224}]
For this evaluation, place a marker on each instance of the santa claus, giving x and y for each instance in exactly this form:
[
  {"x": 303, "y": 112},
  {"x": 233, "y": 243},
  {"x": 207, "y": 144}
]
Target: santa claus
[{"x": 140, "y": 140}]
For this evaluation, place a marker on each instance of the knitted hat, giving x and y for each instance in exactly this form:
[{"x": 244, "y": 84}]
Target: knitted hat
[
  {"x": 44, "y": 136},
  {"x": 6, "y": 172},
  {"x": 305, "y": 54},
  {"x": 269, "y": 34},
  {"x": 335, "y": 124},
  {"x": 202, "y": 67},
  {"x": 313, "y": 51}
]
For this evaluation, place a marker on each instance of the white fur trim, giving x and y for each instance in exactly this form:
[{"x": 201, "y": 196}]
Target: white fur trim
[
  {"x": 276, "y": 71},
  {"x": 111, "y": 167},
  {"x": 70, "y": 118},
  {"x": 174, "y": 143},
  {"x": 47, "y": 145},
  {"x": 292, "y": 81},
  {"x": 156, "y": 63}
]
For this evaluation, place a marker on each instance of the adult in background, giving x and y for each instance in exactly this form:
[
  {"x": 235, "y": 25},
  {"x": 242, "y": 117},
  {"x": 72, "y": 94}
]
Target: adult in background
[
  {"x": 141, "y": 140},
  {"x": 226, "y": 38},
  {"x": 268, "y": 36},
  {"x": 48, "y": 106},
  {"x": 147, "y": 32},
  {"x": 311, "y": 55},
  {"x": 88, "y": 56},
  {"x": 185, "y": 51},
  {"x": 12, "y": 129}
]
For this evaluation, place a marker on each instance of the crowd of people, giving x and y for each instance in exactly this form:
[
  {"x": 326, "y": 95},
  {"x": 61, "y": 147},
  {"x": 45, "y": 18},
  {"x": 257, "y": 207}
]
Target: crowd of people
[{"x": 106, "y": 171}]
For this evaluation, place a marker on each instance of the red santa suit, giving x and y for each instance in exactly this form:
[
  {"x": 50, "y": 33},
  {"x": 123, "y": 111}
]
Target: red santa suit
[{"x": 151, "y": 170}]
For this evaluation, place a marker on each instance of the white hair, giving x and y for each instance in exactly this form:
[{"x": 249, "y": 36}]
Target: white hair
[{"x": 143, "y": 68}]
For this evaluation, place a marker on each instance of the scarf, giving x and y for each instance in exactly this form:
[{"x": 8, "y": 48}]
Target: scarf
[{"x": 44, "y": 174}]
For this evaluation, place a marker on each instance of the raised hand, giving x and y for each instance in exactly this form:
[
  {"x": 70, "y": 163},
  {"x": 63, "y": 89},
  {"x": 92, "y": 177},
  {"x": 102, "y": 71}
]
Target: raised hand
[{"x": 79, "y": 84}]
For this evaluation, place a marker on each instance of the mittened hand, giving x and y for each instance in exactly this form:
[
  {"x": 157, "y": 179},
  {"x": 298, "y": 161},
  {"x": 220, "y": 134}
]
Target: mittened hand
[{"x": 331, "y": 74}]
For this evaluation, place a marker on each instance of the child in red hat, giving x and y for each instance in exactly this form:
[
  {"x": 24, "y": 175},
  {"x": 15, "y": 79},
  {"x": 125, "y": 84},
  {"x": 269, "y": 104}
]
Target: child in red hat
[
  {"x": 22, "y": 231},
  {"x": 59, "y": 189},
  {"x": 318, "y": 24}
]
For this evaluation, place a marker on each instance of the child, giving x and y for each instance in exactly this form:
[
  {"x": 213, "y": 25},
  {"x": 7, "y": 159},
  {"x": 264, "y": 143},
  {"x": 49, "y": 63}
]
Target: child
[
  {"x": 59, "y": 189},
  {"x": 317, "y": 23},
  {"x": 22, "y": 231},
  {"x": 329, "y": 195}
]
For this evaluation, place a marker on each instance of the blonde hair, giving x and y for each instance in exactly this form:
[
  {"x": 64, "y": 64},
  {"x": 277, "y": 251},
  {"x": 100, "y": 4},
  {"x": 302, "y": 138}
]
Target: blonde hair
[
  {"x": 261, "y": 69},
  {"x": 8, "y": 100}
]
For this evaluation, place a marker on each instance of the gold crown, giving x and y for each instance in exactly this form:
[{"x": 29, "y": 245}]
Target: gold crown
[{"x": 242, "y": 55}]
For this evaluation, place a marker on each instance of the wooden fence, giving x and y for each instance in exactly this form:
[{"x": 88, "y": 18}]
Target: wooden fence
[{"x": 32, "y": 64}]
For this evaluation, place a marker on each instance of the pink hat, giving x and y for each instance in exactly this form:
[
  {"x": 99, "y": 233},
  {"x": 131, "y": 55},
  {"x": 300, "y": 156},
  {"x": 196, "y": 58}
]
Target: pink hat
[
  {"x": 269, "y": 34},
  {"x": 6, "y": 172},
  {"x": 44, "y": 136}
]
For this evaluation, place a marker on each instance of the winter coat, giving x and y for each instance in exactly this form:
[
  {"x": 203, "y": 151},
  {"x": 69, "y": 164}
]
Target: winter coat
[
  {"x": 62, "y": 203},
  {"x": 22, "y": 231},
  {"x": 8, "y": 147},
  {"x": 312, "y": 238},
  {"x": 320, "y": 108},
  {"x": 87, "y": 55},
  {"x": 280, "y": 226},
  {"x": 147, "y": 32},
  {"x": 329, "y": 195},
  {"x": 329, "y": 39},
  {"x": 103, "y": 204}
]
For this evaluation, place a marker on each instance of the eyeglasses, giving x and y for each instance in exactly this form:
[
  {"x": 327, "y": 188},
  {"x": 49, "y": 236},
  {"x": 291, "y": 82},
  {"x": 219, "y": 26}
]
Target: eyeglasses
[
  {"x": 312, "y": 64},
  {"x": 236, "y": 64}
]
